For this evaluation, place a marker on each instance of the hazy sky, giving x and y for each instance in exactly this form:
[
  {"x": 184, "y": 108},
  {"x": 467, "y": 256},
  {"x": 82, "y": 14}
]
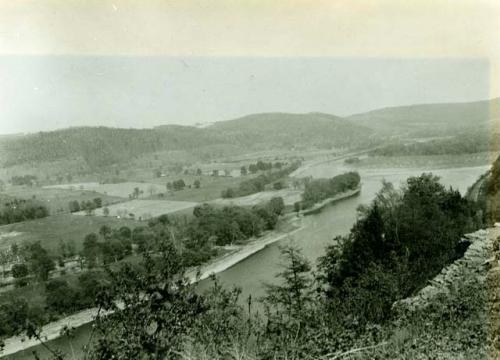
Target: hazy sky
[
  {"x": 142, "y": 63},
  {"x": 47, "y": 92}
]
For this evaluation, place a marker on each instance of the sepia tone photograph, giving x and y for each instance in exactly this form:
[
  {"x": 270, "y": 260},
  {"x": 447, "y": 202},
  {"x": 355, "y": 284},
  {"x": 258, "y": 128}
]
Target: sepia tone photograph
[{"x": 249, "y": 180}]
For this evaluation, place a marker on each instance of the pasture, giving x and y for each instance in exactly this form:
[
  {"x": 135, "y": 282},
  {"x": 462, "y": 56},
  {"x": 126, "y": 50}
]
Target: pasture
[
  {"x": 57, "y": 199},
  {"x": 211, "y": 187},
  {"x": 142, "y": 209},
  {"x": 122, "y": 190},
  {"x": 50, "y": 231}
]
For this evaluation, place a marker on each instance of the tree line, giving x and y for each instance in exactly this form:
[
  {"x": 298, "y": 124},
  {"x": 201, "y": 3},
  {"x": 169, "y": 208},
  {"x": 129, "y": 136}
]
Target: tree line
[
  {"x": 257, "y": 184},
  {"x": 317, "y": 190},
  {"x": 17, "y": 210},
  {"x": 195, "y": 240},
  {"x": 400, "y": 240}
]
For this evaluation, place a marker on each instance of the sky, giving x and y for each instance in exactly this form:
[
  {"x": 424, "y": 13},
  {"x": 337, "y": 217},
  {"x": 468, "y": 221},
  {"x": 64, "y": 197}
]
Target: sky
[{"x": 145, "y": 63}]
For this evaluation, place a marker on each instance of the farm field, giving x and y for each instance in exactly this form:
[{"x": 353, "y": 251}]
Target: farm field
[
  {"x": 289, "y": 197},
  {"x": 56, "y": 200},
  {"x": 143, "y": 209},
  {"x": 430, "y": 161},
  {"x": 210, "y": 189},
  {"x": 53, "y": 229},
  {"x": 123, "y": 189}
]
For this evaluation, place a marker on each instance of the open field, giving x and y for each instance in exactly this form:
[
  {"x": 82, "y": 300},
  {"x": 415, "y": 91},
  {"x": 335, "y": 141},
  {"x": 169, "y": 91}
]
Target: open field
[
  {"x": 210, "y": 189},
  {"x": 429, "y": 161},
  {"x": 51, "y": 230},
  {"x": 123, "y": 189},
  {"x": 289, "y": 197},
  {"x": 143, "y": 209},
  {"x": 55, "y": 199}
]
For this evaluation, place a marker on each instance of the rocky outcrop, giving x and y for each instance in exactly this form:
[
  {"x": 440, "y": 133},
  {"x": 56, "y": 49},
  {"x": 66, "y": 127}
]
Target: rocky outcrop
[{"x": 475, "y": 262}]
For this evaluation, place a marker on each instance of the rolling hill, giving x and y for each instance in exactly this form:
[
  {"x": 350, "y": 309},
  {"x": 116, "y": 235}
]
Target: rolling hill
[
  {"x": 101, "y": 146},
  {"x": 430, "y": 120}
]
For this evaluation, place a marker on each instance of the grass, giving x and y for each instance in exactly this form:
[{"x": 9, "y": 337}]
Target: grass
[
  {"x": 56, "y": 200},
  {"x": 144, "y": 209},
  {"x": 210, "y": 189},
  {"x": 51, "y": 230},
  {"x": 427, "y": 161},
  {"x": 122, "y": 190}
]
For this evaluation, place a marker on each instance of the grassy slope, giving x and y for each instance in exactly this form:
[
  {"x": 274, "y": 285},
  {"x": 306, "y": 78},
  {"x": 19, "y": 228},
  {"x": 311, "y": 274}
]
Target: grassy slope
[
  {"x": 430, "y": 119},
  {"x": 50, "y": 230},
  {"x": 57, "y": 199}
]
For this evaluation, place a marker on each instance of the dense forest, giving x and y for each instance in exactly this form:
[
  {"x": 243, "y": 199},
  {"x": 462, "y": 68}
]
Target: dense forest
[
  {"x": 196, "y": 241},
  {"x": 252, "y": 186},
  {"x": 400, "y": 241},
  {"x": 468, "y": 143},
  {"x": 318, "y": 190},
  {"x": 101, "y": 146},
  {"x": 16, "y": 210}
]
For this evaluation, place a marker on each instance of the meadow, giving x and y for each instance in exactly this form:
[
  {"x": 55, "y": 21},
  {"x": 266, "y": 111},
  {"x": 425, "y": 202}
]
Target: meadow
[
  {"x": 57, "y": 200},
  {"x": 123, "y": 189},
  {"x": 142, "y": 209},
  {"x": 50, "y": 231},
  {"x": 211, "y": 188}
]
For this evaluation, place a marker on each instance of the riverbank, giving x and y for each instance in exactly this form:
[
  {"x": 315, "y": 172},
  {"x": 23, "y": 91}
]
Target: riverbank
[
  {"x": 239, "y": 253},
  {"x": 319, "y": 206},
  {"x": 53, "y": 330}
]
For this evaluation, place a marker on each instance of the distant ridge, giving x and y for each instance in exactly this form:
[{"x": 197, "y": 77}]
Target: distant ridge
[
  {"x": 104, "y": 146},
  {"x": 436, "y": 119}
]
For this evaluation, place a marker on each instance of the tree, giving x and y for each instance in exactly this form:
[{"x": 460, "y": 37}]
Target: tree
[
  {"x": 92, "y": 284},
  {"x": 105, "y": 211},
  {"x": 39, "y": 261},
  {"x": 253, "y": 168},
  {"x": 74, "y": 206},
  {"x": 4, "y": 260},
  {"x": 198, "y": 172},
  {"x": 178, "y": 184},
  {"x": 97, "y": 202},
  {"x": 91, "y": 250},
  {"x": 297, "y": 206},
  {"x": 196, "y": 184},
  {"x": 277, "y": 205},
  {"x": 278, "y": 185},
  {"x": 105, "y": 231},
  {"x": 20, "y": 272},
  {"x": 228, "y": 193},
  {"x": 295, "y": 293},
  {"x": 243, "y": 171},
  {"x": 60, "y": 297}
]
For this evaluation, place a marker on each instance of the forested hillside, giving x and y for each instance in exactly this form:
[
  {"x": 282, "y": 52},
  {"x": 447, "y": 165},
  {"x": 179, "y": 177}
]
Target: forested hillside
[
  {"x": 429, "y": 120},
  {"x": 101, "y": 146},
  {"x": 292, "y": 130},
  {"x": 465, "y": 143}
]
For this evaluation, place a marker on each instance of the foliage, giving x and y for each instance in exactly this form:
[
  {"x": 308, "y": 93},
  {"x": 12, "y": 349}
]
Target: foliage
[
  {"x": 257, "y": 184},
  {"x": 18, "y": 210},
  {"x": 39, "y": 261},
  {"x": 399, "y": 242},
  {"x": 320, "y": 189}
]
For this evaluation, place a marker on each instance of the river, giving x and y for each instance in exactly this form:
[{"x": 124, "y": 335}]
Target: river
[{"x": 319, "y": 230}]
